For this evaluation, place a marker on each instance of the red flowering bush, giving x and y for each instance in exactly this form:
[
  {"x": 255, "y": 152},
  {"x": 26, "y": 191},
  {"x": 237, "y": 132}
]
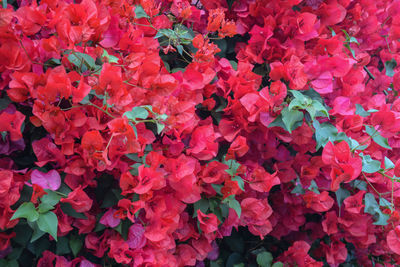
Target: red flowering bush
[{"x": 199, "y": 133}]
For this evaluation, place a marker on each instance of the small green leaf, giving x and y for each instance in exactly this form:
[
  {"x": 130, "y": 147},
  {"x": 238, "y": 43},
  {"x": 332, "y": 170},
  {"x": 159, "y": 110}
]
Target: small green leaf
[
  {"x": 341, "y": 195},
  {"x": 390, "y": 65},
  {"x": 26, "y": 210},
  {"x": 44, "y": 207},
  {"x": 52, "y": 198},
  {"x": 111, "y": 58},
  {"x": 4, "y": 3},
  {"x": 160, "y": 127},
  {"x": 377, "y": 137},
  {"x": 67, "y": 209},
  {"x": 361, "y": 111},
  {"x": 48, "y": 223},
  {"x": 359, "y": 184},
  {"x": 75, "y": 244},
  {"x": 385, "y": 203},
  {"x": 140, "y": 13},
  {"x": 201, "y": 205},
  {"x": 389, "y": 164},
  {"x": 264, "y": 259},
  {"x": 370, "y": 165},
  {"x": 372, "y": 207},
  {"x": 233, "y": 204},
  {"x": 277, "y": 264},
  {"x": 292, "y": 119},
  {"x": 137, "y": 113},
  {"x": 313, "y": 187},
  {"x": 324, "y": 133},
  {"x": 240, "y": 182}
]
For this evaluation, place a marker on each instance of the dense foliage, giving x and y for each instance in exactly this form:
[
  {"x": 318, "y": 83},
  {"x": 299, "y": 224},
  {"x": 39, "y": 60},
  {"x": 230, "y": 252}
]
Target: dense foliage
[{"x": 208, "y": 133}]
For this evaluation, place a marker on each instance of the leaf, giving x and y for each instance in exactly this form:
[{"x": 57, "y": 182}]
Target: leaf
[
  {"x": 264, "y": 259},
  {"x": 298, "y": 189},
  {"x": 137, "y": 113},
  {"x": 389, "y": 164},
  {"x": 277, "y": 264},
  {"x": 389, "y": 66},
  {"x": 319, "y": 108},
  {"x": 372, "y": 207},
  {"x": 48, "y": 223},
  {"x": 230, "y": 3},
  {"x": 75, "y": 244},
  {"x": 370, "y": 165},
  {"x": 52, "y": 198},
  {"x": 361, "y": 111},
  {"x": 4, "y": 3},
  {"x": 160, "y": 127},
  {"x": 140, "y": 13},
  {"x": 324, "y": 133},
  {"x": 67, "y": 209},
  {"x": 4, "y": 102},
  {"x": 26, "y": 210},
  {"x": 385, "y": 203},
  {"x": 62, "y": 246},
  {"x": 81, "y": 59},
  {"x": 240, "y": 182},
  {"x": 202, "y": 205},
  {"x": 291, "y": 118},
  {"x": 278, "y": 122},
  {"x": 341, "y": 195},
  {"x": 111, "y": 58},
  {"x": 313, "y": 187},
  {"x": 233, "y": 204},
  {"x": 361, "y": 185},
  {"x": 377, "y": 137},
  {"x": 44, "y": 207}
]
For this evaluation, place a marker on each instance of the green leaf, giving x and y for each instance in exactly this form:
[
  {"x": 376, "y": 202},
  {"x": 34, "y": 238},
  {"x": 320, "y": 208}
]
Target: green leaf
[
  {"x": 111, "y": 58},
  {"x": 75, "y": 244},
  {"x": 298, "y": 189},
  {"x": 217, "y": 188},
  {"x": 137, "y": 113},
  {"x": 140, "y": 13},
  {"x": 48, "y": 223},
  {"x": 389, "y": 66},
  {"x": 180, "y": 49},
  {"x": 240, "y": 182},
  {"x": 62, "y": 246},
  {"x": 385, "y": 203},
  {"x": 52, "y": 198},
  {"x": 44, "y": 207},
  {"x": 341, "y": 195},
  {"x": 264, "y": 259},
  {"x": 81, "y": 59},
  {"x": 37, "y": 233},
  {"x": 324, "y": 133},
  {"x": 277, "y": 264},
  {"x": 201, "y": 205},
  {"x": 318, "y": 107},
  {"x": 233, "y": 204},
  {"x": 4, "y": 3},
  {"x": 27, "y": 210},
  {"x": 372, "y": 207},
  {"x": 377, "y": 137},
  {"x": 230, "y": 3},
  {"x": 278, "y": 122},
  {"x": 160, "y": 127},
  {"x": 4, "y": 102},
  {"x": 389, "y": 164},
  {"x": 67, "y": 209},
  {"x": 313, "y": 187},
  {"x": 359, "y": 184},
  {"x": 370, "y": 165},
  {"x": 292, "y": 118},
  {"x": 361, "y": 111}
]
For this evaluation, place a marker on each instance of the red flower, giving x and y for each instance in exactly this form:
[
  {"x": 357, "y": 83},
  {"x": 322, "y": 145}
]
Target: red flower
[
  {"x": 79, "y": 200},
  {"x": 208, "y": 222},
  {"x": 393, "y": 240}
]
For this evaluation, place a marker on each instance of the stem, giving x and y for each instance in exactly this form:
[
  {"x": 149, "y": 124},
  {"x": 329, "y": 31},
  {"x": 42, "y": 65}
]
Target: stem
[
  {"x": 100, "y": 108},
  {"x": 61, "y": 194},
  {"x": 365, "y": 177}
]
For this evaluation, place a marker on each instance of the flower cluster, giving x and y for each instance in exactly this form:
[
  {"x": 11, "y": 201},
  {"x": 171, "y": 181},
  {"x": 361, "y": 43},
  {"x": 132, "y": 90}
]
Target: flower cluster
[{"x": 147, "y": 132}]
